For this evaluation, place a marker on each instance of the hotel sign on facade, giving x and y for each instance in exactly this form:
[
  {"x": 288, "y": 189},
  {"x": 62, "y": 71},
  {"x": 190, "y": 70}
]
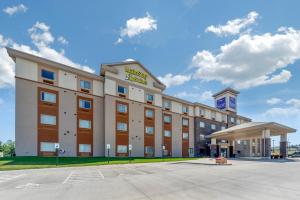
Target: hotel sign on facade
[{"x": 135, "y": 76}]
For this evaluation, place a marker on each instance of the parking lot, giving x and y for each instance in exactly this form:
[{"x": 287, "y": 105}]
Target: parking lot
[{"x": 196, "y": 179}]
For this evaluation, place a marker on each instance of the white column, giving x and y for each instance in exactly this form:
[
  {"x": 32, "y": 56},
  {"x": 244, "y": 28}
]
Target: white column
[{"x": 250, "y": 148}]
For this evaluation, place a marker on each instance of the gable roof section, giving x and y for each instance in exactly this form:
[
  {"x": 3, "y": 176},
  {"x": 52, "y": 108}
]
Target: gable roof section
[{"x": 109, "y": 67}]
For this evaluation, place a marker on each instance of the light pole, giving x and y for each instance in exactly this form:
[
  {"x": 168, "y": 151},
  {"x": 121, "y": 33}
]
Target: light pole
[
  {"x": 108, "y": 148},
  {"x": 129, "y": 148}
]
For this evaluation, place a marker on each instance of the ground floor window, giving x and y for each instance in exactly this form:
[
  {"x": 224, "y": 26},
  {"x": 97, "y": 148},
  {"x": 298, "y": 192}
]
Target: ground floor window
[
  {"x": 85, "y": 148},
  {"x": 149, "y": 149},
  {"x": 122, "y": 148},
  {"x": 167, "y": 133},
  {"x": 47, "y": 146},
  {"x": 185, "y": 135}
]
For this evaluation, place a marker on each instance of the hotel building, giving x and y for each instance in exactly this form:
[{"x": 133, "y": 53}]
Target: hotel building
[{"x": 123, "y": 109}]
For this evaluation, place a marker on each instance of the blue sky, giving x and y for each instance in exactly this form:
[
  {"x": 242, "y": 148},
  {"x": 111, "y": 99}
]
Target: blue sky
[{"x": 196, "y": 47}]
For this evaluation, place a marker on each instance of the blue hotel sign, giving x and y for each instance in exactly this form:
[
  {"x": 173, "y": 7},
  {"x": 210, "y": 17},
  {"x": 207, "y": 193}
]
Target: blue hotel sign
[
  {"x": 221, "y": 103},
  {"x": 232, "y": 102}
]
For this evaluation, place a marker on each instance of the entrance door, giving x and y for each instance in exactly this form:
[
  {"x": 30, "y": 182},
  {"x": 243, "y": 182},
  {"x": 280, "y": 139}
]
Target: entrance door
[{"x": 223, "y": 152}]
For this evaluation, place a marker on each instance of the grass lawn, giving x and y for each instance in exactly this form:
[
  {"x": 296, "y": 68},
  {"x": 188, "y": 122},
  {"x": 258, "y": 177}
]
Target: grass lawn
[{"x": 17, "y": 163}]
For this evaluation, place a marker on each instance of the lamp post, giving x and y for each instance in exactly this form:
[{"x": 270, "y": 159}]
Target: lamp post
[
  {"x": 130, "y": 148},
  {"x": 107, "y": 148}
]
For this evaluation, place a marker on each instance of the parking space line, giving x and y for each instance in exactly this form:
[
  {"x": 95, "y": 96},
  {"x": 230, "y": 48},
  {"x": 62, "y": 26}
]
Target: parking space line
[
  {"x": 100, "y": 173},
  {"x": 68, "y": 177}
]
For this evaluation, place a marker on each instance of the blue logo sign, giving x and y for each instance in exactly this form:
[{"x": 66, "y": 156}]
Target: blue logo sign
[
  {"x": 221, "y": 103},
  {"x": 232, "y": 102}
]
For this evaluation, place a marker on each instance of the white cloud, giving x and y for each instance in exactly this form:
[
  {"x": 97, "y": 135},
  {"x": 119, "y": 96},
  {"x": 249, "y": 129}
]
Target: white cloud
[
  {"x": 273, "y": 101},
  {"x": 136, "y": 26},
  {"x": 233, "y": 27},
  {"x": 42, "y": 39},
  {"x": 129, "y": 60},
  {"x": 251, "y": 61},
  {"x": 288, "y": 112},
  {"x": 62, "y": 40},
  {"x": 206, "y": 95},
  {"x": 15, "y": 9},
  {"x": 294, "y": 103},
  {"x": 173, "y": 80}
]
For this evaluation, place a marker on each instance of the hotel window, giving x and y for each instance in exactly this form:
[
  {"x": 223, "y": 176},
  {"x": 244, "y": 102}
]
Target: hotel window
[
  {"x": 85, "y": 124},
  {"x": 223, "y": 127},
  {"x": 85, "y": 84},
  {"x": 48, "y": 74},
  {"x": 149, "y": 113},
  {"x": 213, "y": 127},
  {"x": 121, "y": 126},
  {"x": 185, "y": 122},
  {"x": 185, "y": 135},
  {"x": 149, "y": 130},
  {"x": 201, "y": 124},
  {"x": 48, "y": 97},
  {"x": 86, "y": 104},
  {"x": 149, "y": 98},
  {"x": 149, "y": 150},
  {"x": 122, "y": 148},
  {"x": 185, "y": 109},
  {"x": 202, "y": 137},
  {"x": 122, "y": 108},
  {"x": 224, "y": 118},
  {"x": 47, "y": 146},
  {"x": 122, "y": 90},
  {"x": 167, "y": 119},
  {"x": 167, "y": 104},
  {"x": 85, "y": 148},
  {"x": 213, "y": 115},
  {"x": 48, "y": 119},
  {"x": 167, "y": 133},
  {"x": 232, "y": 119},
  {"x": 201, "y": 111}
]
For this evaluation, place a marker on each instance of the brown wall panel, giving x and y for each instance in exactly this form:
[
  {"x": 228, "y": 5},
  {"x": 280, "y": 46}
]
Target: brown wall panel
[
  {"x": 185, "y": 142},
  {"x": 149, "y": 140},
  {"x": 84, "y": 136},
  {"x": 122, "y": 137},
  {"x": 47, "y": 133},
  {"x": 167, "y": 141}
]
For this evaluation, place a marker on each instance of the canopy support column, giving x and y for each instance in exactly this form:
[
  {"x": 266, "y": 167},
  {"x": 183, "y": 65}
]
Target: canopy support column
[{"x": 283, "y": 145}]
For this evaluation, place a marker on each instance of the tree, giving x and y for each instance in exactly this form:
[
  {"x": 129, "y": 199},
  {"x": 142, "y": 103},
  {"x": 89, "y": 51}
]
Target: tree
[{"x": 8, "y": 148}]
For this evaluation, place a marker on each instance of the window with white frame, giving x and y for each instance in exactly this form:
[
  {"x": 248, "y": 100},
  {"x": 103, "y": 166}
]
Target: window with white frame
[
  {"x": 121, "y": 126},
  {"x": 86, "y": 104},
  {"x": 149, "y": 97},
  {"x": 223, "y": 127},
  {"x": 185, "y": 109},
  {"x": 201, "y": 112},
  {"x": 185, "y": 122},
  {"x": 167, "y": 133},
  {"x": 47, "y": 146},
  {"x": 149, "y": 150},
  {"x": 48, "y": 97},
  {"x": 201, "y": 124},
  {"x": 83, "y": 123},
  {"x": 185, "y": 135},
  {"x": 149, "y": 113},
  {"x": 167, "y": 104},
  {"x": 213, "y": 126},
  {"x": 122, "y": 108},
  {"x": 48, "y": 119},
  {"x": 122, "y": 148},
  {"x": 85, "y": 148},
  {"x": 167, "y": 119},
  {"x": 149, "y": 130},
  {"x": 84, "y": 84}
]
